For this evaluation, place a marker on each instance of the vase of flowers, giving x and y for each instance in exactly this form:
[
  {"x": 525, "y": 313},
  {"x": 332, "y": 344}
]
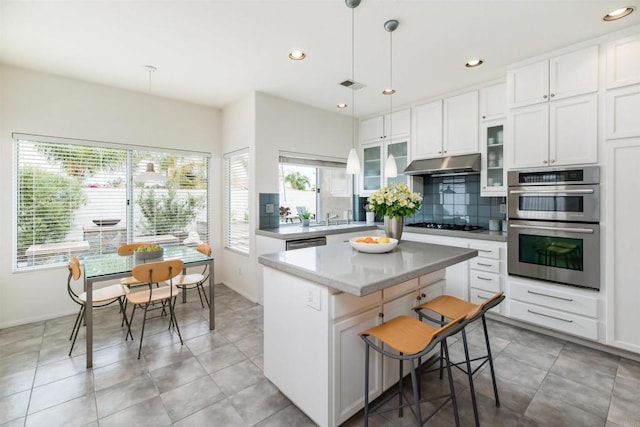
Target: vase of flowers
[{"x": 394, "y": 203}]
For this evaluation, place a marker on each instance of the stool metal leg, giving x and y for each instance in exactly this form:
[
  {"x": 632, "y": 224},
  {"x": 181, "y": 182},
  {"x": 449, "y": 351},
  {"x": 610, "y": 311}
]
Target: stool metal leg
[
  {"x": 490, "y": 356},
  {"x": 416, "y": 396},
  {"x": 470, "y": 375},
  {"x": 442, "y": 320},
  {"x": 400, "y": 413},
  {"x": 366, "y": 386},
  {"x": 454, "y": 402}
]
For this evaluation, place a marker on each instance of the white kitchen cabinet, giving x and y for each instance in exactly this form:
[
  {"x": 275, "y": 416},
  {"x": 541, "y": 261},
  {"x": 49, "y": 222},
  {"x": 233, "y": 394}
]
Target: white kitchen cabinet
[
  {"x": 493, "y": 102},
  {"x": 563, "y": 308},
  {"x": 374, "y": 157},
  {"x": 493, "y": 172},
  {"x": 558, "y": 133},
  {"x": 460, "y": 126},
  {"x": 348, "y": 366},
  {"x": 426, "y": 132},
  {"x": 386, "y": 127},
  {"x": 487, "y": 272},
  {"x": 623, "y": 112},
  {"x": 446, "y": 127},
  {"x": 622, "y": 252},
  {"x": 558, "y": 77},
  {"x": 623, "y": 62}
]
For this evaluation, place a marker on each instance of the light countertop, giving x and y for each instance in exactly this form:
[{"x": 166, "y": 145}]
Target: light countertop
[{"x": 343, "y": 268}]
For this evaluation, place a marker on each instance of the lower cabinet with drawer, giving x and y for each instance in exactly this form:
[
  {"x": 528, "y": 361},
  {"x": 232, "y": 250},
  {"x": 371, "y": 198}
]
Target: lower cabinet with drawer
[
  {"x": 566, "y": 309},
  {"x": 486, "y": 272}
]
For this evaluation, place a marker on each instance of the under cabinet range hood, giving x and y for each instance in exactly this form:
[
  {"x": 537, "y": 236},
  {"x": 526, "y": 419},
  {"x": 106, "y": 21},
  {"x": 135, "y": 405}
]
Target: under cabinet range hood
[{"x": 468, "y": 163}]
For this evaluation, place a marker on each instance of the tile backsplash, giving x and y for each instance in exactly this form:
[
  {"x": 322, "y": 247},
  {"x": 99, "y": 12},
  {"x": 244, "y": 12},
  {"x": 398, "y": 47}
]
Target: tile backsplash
[
  {"x": 456, "y": 199},
  {"x": 269, "y": 219}
]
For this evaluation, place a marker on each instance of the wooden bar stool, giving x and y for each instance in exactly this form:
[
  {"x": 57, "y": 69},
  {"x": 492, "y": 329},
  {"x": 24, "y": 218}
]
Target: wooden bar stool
[
  {"x": 450, "y": 307},
  {"x": 412, "y": 339}
]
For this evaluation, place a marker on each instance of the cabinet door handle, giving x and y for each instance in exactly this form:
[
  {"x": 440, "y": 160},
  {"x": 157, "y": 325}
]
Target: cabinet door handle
[
  {"x": 484, "y": 117},
  {"x": 445, "y": 151},
  {"x": 423, "y": 295},
  {"x": 418, "y": 298},
  {"x": 484, "y": 278},
  {"x": 544, "y": 161},
  {"x": 553, "y": 94},
  {"x": 439, "y": 152},
  {"x": 485, "y": 265},
  {"x": 549, "y": 316},
  {"x": 550, "y": 296},
  {"x": 381, "y": 315},
  {"x": 484, "y": 250},
  {"x": 480, "y": 297},
  {"x": 553, "y": 161},
  {"x": 545, "y": 96}
]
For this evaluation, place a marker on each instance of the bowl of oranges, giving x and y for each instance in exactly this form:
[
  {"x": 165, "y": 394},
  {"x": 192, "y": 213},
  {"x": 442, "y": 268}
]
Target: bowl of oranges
[{"x": 373, "y": 245}]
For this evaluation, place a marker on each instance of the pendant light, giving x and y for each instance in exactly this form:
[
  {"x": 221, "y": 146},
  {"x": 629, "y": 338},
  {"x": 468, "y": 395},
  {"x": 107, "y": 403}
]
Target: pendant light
[
  {"x": 150, "y": 176},
  {"x": 390, "y": 166},
  {"x": 353, "y": 162}
]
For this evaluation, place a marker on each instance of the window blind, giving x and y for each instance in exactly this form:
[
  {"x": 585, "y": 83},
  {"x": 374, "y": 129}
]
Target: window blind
[
  {"x": 236, "y": 208},
  {"x": 77, "y": 199}
]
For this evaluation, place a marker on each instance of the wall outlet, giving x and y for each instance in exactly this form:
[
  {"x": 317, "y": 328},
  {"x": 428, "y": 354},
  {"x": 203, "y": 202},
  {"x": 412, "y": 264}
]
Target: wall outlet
[
  {"x": 503, "y": 208},
  {"x": 269, "y": 208},
  {"x": 313, "y": 298}
]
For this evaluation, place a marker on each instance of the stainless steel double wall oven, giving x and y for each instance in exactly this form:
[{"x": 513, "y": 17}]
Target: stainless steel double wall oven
[{"x": 554, "y": 231}]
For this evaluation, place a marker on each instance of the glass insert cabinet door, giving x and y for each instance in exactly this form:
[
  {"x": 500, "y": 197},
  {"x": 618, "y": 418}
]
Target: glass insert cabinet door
[
  {"x": 372, "y": 167},
  {"x": 399, "y": 151},
  {"x": 493, "y": 182}
]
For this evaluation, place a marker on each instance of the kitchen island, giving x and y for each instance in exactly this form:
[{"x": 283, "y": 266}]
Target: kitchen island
[{"x": 316, "y": 300}]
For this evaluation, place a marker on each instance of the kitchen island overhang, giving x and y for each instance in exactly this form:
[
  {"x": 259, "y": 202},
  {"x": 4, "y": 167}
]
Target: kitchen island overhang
[
  {"x": 317, "y": 300},
  {"x": 344, "y": 269}
]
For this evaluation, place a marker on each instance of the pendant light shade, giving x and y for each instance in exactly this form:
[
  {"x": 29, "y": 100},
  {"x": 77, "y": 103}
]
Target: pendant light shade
[
  {"x": 150, "y": 176},
  {"x": 390, "y": 167},
  {"x": 353, "y": 162}
]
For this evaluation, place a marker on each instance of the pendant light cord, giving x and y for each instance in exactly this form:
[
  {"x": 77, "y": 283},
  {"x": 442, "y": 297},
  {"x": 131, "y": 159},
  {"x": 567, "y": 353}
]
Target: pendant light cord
[
  {"x": 353, "y": 78},
  {"x": 391, "y": 86}
]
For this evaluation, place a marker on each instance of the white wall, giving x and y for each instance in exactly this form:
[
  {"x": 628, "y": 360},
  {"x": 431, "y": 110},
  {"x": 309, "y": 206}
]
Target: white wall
[
  {"x": 44, "y": 104},
  {"x": 238, "y": 132}
]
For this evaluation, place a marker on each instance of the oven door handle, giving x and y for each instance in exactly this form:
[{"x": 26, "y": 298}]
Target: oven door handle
[
  {"x": 569, "y": 191},
  {"x": 568, "y": 230}
]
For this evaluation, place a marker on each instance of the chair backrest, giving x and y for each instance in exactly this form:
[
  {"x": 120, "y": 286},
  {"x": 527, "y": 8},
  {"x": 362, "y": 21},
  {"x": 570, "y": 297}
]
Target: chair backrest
[
  {"x": 155, "y": 272},
  {"x": 74, "y": 274},
  {"x": 204, "y": 249},
  {"x": 495, "y": 299},
  {"x": 127, "y": 250}
]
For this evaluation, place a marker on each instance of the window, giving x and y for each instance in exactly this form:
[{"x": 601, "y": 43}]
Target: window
[
  {"x": 236, "y": 201},
  {"x": 76, "y": 198},
  {"x": 318, "y": 185}
]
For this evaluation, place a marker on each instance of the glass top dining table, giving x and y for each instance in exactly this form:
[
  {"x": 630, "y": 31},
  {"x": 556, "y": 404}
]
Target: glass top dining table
[{"x": 103, "y": 267}]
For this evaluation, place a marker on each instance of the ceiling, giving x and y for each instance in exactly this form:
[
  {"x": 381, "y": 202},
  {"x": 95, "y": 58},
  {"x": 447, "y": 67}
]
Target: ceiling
[{"x": 213, "y": 52}]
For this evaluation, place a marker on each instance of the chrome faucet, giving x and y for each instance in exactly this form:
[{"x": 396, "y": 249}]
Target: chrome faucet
[{"x": 330, "y": 217}]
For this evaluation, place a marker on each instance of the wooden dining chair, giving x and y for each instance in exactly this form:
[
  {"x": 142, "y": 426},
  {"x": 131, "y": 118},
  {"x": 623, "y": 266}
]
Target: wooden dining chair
[
  {"x": 150, "y": 274},
  {"x": 196, "y": 280},
  {"x": 101, "y": 297},
  {"x": 128, "y": 250}
]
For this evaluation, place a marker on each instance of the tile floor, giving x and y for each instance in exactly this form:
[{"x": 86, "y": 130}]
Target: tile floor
[{"x": 216, "y": 378}]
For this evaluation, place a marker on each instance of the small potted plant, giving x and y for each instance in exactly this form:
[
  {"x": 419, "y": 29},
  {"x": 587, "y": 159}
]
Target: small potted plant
[{"x": 306, "y": 218}]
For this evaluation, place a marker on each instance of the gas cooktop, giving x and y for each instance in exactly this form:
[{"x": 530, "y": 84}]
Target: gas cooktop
[{"x": 454, "y": 227}]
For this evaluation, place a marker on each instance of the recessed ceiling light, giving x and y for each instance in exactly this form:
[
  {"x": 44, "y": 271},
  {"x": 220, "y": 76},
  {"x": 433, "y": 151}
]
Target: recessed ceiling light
[
  {"x": 297, "y": 55},
  {"x": 342, "y": 105},
  {"x": 473, "y": 63},
  {"x": 618, "y": 13},
  {"x": 388, "y": 91}
]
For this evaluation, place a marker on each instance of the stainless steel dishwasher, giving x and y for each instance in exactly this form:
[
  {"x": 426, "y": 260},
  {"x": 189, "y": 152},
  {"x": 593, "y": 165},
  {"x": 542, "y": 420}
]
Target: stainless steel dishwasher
[{"x": 305, "y": 243}]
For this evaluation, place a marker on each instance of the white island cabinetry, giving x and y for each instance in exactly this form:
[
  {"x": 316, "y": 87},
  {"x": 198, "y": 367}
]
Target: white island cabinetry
[{"x": 317, "y": 300}]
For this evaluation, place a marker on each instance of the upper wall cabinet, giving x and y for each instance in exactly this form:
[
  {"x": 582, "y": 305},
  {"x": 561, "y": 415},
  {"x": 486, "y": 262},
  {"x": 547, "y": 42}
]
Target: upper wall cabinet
[
  {"x": 623, "y": 62},
  {"x": 493, "y": 102},
  {"x": 384, "y": 128},
  {"x": 558, "y": 77},
  {"x": 446, "y": 127}
]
